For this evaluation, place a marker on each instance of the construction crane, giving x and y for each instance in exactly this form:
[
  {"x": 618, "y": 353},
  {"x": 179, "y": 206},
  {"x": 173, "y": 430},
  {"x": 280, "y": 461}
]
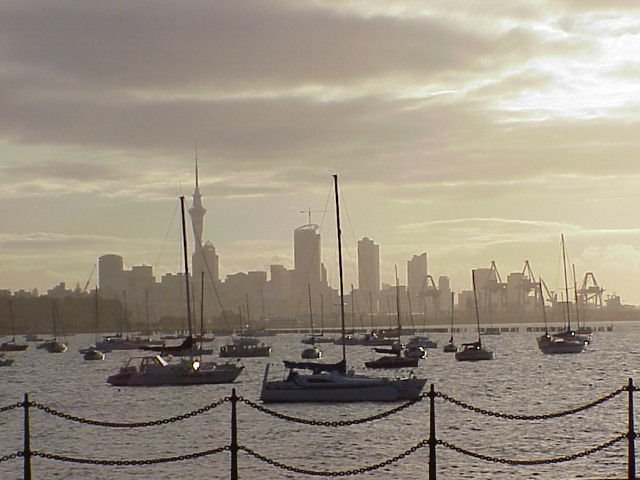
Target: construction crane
[
  {"x": 309, "y": 212},
  {"x": 86, "y": 285},
  {"x": 590, "y": 292}
]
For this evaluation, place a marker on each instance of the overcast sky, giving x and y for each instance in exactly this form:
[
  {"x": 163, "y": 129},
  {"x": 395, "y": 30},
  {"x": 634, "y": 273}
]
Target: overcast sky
[{"x": 472, "y": 130}]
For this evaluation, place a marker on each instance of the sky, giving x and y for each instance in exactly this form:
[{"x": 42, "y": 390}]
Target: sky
[{"x": 476, "y": 131}]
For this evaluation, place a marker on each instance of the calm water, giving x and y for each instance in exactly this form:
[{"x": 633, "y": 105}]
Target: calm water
[{"x": 520, "y": 380}]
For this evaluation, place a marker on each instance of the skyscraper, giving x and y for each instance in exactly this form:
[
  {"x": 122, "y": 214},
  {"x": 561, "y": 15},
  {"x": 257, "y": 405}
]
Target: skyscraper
[
  {"x": 197, "y": 212},
  {"x": 417, "y": 274},
  {"x": 369, "y": 270},
  {"x": 306, "y": 257}
]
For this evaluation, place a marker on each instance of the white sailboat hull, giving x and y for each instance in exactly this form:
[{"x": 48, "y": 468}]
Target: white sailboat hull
[{"x": 337, "y": 387}]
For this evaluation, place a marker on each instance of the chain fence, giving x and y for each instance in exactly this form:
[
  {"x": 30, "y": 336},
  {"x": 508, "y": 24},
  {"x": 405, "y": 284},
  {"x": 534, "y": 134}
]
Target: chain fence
[
  {"x": 333, "y": 423},
  {"x": 153, "y": 423},
  {"x": 546, "y": 416},
  {"x": 234, "y": 448}
]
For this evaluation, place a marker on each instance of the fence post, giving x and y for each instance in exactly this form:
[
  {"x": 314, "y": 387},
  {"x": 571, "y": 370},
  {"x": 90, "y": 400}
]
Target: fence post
[
  {"x": 432, "y": 433},
  {"x": 27, "y": 440},
  {"x": 631, "y": 437},
  {"x": 234, "y": 436}
]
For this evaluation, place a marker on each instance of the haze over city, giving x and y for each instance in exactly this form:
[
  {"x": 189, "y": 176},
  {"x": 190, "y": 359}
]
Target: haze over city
[{"x": 474, "y": 131}]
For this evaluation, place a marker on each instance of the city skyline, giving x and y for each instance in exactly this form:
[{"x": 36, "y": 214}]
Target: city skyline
[{"x": 472, "y": 134}]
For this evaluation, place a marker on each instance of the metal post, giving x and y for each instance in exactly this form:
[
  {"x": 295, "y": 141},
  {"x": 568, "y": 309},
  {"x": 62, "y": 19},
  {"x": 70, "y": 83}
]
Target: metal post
[
  {"x": 432, "y": 433},
  {"x": 27, "y": 440},
  {"x": 631, "y": 437},
  {"x": 234, "y": 436}
]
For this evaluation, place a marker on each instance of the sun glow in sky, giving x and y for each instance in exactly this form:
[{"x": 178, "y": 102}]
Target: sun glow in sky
[{"x": 474, "y": 131}]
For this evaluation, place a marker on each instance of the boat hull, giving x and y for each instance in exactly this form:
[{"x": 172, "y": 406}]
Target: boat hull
[
  {"x": 171, "y": 375},
  {"x": 474, "y": 355},
  {"x": 338, "y": 388}
]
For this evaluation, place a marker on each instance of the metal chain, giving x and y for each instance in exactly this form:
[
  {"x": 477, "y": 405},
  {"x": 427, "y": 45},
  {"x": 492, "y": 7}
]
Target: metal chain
[
  {"x": 11, "y": 407},
  {"x": 149, "y": 461},
  {"x": 531, "y": 417},
  {"x": 333, "y": 423},
  {"x": 338, "y": 473},
  {"x": 564, "y": 458},
  {"x": 152, "y": 423},
  {"x": 6, "y": 458}
]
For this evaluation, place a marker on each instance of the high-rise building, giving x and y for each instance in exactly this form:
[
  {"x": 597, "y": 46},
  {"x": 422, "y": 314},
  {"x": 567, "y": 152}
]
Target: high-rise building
[
  {"x": 417, "y": 274},
  {"x": 110, "y": 275},
  {"x": 369, "y": 271},
  {"x": 306, "y": 257}
]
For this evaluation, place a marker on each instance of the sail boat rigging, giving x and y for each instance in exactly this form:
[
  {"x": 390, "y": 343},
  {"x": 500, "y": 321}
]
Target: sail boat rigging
[
  {"x": 92, "y": 352},
  {"x": 12, "y": 346},
  {"x": 553, "y": 345},
  {"x": 332, "y": 382},
  {"x": 154, "y": 370},
  {"x": 312, "y": 351},
  {"x": 393, "y": 357},
  {"x": 451, "y": 346},
  {"x": 471, "y": 352}
]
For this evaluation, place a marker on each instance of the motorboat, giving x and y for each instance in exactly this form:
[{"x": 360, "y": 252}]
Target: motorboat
[
  {"x": 5, "y": 361},
  {"x": 55, "y": 346},
  {"x": 415, "y": 351},
  {"x": 312, "y": 352},
  {"x": 332, "y": 383},
  {"x": 450, "y": 347},
  {"x": 244, "y": 347},
  {"x": 154, "y": 370},
  {"x": 12, "y": 346},
  {"x": 422, "y": 341},
  {"x": 92, "y": 353},
  {"x": 321, "y": 382},
  {"x": 472, "y": 352}
]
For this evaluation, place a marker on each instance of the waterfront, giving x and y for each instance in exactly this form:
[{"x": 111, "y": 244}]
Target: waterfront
[{"x": 519, "y": 381}]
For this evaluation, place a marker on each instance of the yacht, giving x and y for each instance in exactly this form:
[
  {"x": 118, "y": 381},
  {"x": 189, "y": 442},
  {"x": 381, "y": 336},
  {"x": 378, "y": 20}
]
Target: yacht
[{"x": 318, "y": 382}]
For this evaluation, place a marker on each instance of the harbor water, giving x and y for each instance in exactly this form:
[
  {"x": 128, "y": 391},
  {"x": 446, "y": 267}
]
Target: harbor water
[{"x": 520, "y": 381}]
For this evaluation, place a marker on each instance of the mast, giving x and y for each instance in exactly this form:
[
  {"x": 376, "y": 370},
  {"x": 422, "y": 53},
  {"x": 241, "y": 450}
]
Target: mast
[
  {"x": 544, "y": 312},
  {"x": 13, "y": 325},
  {"x": 97, "y": 317},
  {"x": 475, "y": 301},
  {"x": 313, "y": 338},
  {"x": 186, "y": 266},
  {"x": 398, "y": 302},
  {"x": 566, "y": 283},
  {"x": 575, "y": 294},
  {"x": 201, "y": 313},
  {"x": 339, "y": 233},
  {"x": 452, "y": 301}
]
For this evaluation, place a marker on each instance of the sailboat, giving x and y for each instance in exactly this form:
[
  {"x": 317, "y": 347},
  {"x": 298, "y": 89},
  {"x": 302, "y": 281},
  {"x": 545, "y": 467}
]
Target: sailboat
[
  {"x": 549, "y": 344},
  {"x": 92, "y": 352},
  {"x": 393, "y": 356},
  {"x": 53, "y": 345},
  {"x": 451, "y": 346},
  {"x": 245, "y": 346},
  {"x": 11, "y": 345},
  {"x": 418, "y": 343},
  {"x": 568, "y": 332},
  {"x": 318, "y": 382},
  {"x": 311, "y": 352},
  {"x": 320, "y": 338},
  {"x": 472, "y": 352},
  {"x": 154, "y": 370}
]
